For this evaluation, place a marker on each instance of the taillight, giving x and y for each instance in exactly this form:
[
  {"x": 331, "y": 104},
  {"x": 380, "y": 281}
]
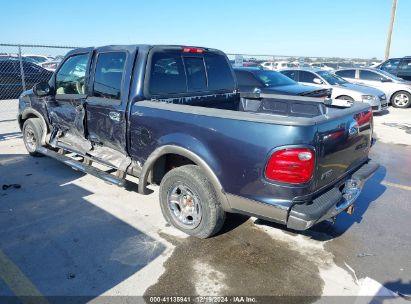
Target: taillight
[
  {"x": 193, "y": 50},
  {"x": 293, "y": 165}
]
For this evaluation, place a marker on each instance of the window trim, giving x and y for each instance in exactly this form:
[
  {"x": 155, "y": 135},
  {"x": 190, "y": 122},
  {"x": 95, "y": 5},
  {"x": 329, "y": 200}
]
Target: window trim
[
  {"x": 86, "y": 77},
  {"x": 102, "y": 100}
]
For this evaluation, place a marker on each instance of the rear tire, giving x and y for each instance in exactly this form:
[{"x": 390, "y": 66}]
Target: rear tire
[
  {"x": 401, "y": 99},
  {"x": 188, "y": 202},
  {"x": 32, "y": 134},
  {"x": 345, "y": 97}
]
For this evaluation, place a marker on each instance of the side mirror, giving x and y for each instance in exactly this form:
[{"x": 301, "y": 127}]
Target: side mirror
[
  {"x": 383, "y": 79},
  {"x": 317, "y": 81},
  {"x": 41, "y": 89}
]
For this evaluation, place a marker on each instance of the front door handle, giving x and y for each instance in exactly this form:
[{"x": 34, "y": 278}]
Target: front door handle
[{"x": 114, "y": 116}]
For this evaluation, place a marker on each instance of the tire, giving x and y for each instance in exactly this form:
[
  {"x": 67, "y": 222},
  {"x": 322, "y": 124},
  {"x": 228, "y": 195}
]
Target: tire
[
  {"x": 345, "y": 97},
  {"x": 32, "y": 134},
  {"x": 188, "y": 202},
  {"x": 401, "y": 99}
]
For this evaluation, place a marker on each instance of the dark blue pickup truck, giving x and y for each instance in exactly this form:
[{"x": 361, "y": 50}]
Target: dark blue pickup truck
[{"x": 172, "y": 116}]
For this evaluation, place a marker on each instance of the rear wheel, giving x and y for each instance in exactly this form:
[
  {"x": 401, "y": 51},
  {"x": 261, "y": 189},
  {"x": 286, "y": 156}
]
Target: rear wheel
[
  {"x": 188, "y": 202},
  {"x": 345, "y": 97},
  {"x": 401, "y": 99},
  {"x": 32, "y": 134}
]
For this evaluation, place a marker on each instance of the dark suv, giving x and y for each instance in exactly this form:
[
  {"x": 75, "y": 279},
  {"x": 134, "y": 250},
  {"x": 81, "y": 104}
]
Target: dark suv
[{"x": 400, "y": 67}]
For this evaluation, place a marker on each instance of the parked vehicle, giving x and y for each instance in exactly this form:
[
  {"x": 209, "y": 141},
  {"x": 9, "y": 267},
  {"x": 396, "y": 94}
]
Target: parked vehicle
[
  {"x": 171, "y": 115},
  {"x": 341, "y": 89},
  {"x": 275, "y": 66},
  {"x": 38, "y": 59},
  {"x": 50, "y": 65},
  {"x": 11, "y": 83},
  {"x": 251, "y": 80},
  {"x": 397, "y": 90},
  {"x": 323, "y": 66},
  {"x": 400, "y": 67}
]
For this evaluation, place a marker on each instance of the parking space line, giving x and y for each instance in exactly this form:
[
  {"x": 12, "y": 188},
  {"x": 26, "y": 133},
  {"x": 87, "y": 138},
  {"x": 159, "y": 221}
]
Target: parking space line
[
  {"x": 19, "y": 284},
  {"x": 403, "y": 187}
]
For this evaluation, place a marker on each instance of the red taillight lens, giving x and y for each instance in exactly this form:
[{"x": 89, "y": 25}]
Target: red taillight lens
[
  {"x": 193, "y": 50},
  {"x": 294, "y": 165}
]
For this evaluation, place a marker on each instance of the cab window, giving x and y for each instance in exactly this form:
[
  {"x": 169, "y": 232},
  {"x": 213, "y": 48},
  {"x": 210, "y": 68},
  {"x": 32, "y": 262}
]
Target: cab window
[
  {"x": 70, "y": 78},
  {"x": 109, "y": 74}
]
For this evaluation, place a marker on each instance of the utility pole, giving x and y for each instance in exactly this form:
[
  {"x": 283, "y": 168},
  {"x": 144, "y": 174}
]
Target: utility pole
[{"x": 387, "y": 48}]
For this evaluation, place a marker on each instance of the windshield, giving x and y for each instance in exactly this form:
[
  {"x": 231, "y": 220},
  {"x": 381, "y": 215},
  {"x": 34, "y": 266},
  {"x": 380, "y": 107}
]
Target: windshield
[
  {"x": 273, "y": 78},
  {"x": 332, "y": 79},
  {"x": 390, "y": 75}
]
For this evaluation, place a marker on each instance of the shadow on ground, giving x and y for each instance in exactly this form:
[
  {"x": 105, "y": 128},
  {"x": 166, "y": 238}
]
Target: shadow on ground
[
  {"x": 12, "y": 135},
  {"x": 61, "y": 242}
]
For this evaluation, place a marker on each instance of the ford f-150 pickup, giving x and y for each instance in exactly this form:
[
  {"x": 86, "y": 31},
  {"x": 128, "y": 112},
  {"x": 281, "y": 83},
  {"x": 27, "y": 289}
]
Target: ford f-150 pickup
[{"x": 172, "y": 116}]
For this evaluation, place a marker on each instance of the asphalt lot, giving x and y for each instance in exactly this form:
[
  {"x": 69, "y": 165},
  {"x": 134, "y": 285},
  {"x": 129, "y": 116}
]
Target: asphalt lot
[{"x": 66, "y": 233}]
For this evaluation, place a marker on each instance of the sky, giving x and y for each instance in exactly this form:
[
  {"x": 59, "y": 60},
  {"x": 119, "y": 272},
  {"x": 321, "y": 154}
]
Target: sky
[{"x": 343, "y": 28}]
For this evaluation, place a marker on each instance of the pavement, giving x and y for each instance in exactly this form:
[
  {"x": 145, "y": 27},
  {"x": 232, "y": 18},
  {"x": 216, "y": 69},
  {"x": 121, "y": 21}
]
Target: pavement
[{"x": 63, "y": 233}]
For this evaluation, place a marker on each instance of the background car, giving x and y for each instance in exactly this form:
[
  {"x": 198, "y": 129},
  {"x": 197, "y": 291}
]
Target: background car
[
  {"x": 341, "y": 89},
  {"x": 11, "y": 85},
  {"x": 251, "y": 80},
  {"x": 38, "y": 59},
  {"x": 275, "y": 65},
  {"x": 400, "y": 67},
  {"x": 397, "y": 90}
]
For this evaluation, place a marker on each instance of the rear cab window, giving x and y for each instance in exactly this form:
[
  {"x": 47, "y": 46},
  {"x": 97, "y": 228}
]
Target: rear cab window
[{"x": 176, "y": 72}]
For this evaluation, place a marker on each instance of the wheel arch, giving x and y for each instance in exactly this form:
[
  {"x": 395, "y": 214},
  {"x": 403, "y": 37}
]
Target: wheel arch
[
  {"x": 396, "y": 92},
  {"x": 32, "y": 113},
  {"x": 195, "y": 159}
]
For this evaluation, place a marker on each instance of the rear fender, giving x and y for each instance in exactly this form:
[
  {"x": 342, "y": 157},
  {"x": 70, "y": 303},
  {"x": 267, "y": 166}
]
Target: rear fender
[{"x": 194, "y": 157}]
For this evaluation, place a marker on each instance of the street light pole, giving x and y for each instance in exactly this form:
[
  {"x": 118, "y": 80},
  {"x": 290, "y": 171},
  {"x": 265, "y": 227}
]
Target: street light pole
[{"x": 387, "y": 48}]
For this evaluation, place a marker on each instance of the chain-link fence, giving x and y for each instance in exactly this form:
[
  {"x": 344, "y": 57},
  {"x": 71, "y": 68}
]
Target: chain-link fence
[{"x": 22, "y": 66}]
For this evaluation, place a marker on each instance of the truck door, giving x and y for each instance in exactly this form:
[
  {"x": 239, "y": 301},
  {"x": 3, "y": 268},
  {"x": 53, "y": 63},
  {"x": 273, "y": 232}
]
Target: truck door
[
  {"x": 108, "y": 98},
  {"x": 66, "y": 105}
]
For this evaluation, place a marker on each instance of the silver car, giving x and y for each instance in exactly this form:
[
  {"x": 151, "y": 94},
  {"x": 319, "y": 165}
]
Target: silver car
[
  {"x": 341, "y": 89},
  {"x": 397, "y": 90}
]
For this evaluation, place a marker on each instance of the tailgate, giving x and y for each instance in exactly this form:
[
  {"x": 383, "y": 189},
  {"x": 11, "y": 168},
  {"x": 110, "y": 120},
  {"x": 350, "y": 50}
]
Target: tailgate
[{"x": 343, "y": 143}]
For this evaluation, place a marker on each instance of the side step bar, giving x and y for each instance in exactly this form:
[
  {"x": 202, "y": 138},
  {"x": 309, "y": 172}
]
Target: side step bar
[{"x": 83, "y": 167}]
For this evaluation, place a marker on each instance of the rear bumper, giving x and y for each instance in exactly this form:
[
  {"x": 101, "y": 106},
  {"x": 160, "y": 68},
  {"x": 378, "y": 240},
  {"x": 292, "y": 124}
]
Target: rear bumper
[{"x": 332, "y": 202}]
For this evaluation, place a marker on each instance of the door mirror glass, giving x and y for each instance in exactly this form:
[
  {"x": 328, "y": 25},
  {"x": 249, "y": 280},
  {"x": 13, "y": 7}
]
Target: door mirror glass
[
  {"x": 383, "y": 79},
  {"x": 42, "y": 89},
  {"x": 317, "y": 81}
]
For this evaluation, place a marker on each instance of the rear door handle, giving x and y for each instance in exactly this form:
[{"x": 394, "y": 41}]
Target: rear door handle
[{"x": 114, "y": 116}]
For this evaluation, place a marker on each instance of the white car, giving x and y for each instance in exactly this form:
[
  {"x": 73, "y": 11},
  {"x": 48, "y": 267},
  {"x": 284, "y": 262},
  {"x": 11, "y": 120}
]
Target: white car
[
  {"x": 397, "y": 90},
  {"x": 341, "y": 89},
  {"x": 37, "y": 59},
  {"x": 323, "y": 66},
  {"x": 275, "y": 65}
]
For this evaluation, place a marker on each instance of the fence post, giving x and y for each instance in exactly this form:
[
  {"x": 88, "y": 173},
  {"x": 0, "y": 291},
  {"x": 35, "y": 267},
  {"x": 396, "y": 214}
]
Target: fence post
[{"x": 23, "y": 80}]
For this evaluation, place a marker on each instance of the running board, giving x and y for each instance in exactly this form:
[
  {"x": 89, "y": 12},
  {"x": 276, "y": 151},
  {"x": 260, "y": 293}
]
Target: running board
[{"x": 83, "y": 167}]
